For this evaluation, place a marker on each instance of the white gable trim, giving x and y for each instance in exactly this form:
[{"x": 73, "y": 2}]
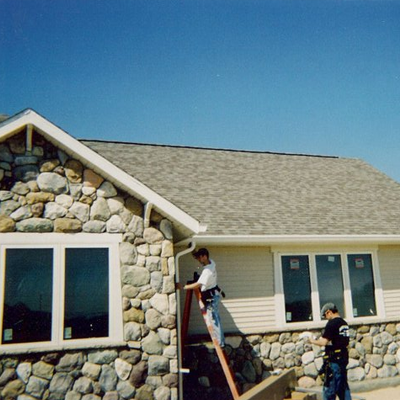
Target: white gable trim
[{"x": 102, "y": 166}]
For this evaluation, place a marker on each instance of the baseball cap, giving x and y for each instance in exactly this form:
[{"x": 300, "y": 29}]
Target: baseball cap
[{"x": 326, "y": 307}]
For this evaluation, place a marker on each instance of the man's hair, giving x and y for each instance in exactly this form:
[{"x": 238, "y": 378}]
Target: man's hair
[{"x": 201, "y": 252}]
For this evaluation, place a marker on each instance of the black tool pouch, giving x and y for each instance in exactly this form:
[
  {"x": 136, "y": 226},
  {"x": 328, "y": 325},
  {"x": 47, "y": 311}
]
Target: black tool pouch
[
  {"x": 207, "y": 295},
  {"x": 221, "y": 291}
]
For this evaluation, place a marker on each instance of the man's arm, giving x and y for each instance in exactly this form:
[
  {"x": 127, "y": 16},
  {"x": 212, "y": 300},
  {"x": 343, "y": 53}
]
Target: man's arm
[
  {"x": 191, "y": 286},
  {"x": 320, "y": 341}
]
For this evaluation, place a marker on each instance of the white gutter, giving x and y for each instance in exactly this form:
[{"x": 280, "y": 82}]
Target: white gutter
[
  {"x": 263, "y": 240},
  {"x": 192, "y": 246}
]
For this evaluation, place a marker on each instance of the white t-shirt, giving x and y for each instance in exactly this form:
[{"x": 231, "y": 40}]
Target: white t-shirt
[{"x": 208, "y": 277}]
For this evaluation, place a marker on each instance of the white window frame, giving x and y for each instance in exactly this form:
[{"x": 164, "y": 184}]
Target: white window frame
[
  {"x": 315, "y": 300},
  {"x": 59, "y": 242}
]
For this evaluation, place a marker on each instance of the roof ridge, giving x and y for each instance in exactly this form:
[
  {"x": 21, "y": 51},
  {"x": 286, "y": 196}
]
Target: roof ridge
[{"x": 209, "y": 148}]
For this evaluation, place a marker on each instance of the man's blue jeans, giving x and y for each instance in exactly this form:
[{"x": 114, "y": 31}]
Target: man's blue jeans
[
  {"x": 214, "y": 319},
  {"x": 338, "y": 383}
]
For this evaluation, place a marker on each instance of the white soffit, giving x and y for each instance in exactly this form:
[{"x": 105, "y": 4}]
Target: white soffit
[
  {"x": 308, "y": 240},
  {"x": 73, "y": 147}
]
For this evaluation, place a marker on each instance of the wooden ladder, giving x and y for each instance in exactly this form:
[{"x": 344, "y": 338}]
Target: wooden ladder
[{"x": 223, "y": 359}]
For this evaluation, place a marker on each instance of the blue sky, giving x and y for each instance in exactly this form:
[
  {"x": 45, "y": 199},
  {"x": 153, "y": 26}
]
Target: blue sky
[{"x": 311, "y": 77}]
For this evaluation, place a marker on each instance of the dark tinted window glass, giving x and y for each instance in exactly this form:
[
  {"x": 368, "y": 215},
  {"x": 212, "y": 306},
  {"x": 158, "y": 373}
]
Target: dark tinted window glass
[
  {"x": 28, "y": 296},
  {"x": 297, "y": 288},
  {"x": 362, "y": 285},
  {"x": 86, "y": 293},
  {"x": 330, "y": 282}
]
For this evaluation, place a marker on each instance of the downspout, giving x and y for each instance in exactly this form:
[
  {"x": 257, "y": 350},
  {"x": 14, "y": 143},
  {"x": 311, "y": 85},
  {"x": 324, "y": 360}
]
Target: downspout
[
  {"x": 147, "y": 214},
  {"x": 192, "y": 246}
]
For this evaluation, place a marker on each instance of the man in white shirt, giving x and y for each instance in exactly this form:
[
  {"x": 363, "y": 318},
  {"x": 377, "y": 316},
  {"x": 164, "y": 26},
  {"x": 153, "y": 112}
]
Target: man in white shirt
[{"x": 210, "y": 292}]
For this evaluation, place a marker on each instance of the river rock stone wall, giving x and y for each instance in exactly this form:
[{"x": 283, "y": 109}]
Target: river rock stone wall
[
  {"x": 374, "y": 352},
  {"x": 110, "y": 374},
  {"x": 45, "y": 190}
]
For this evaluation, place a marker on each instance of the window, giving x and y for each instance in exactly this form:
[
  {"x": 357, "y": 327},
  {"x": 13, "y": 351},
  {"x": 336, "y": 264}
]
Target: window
[
  {"x": 330, "y": 281},
  {"x": 27, "y": 308},
  {"x": 297, "y": 289},
  {"x": 362, "y": 285},
  {"x": 60, "y": 293},
  {"x": 311, "y": 280},
  {"x": 86, "y": 293}
]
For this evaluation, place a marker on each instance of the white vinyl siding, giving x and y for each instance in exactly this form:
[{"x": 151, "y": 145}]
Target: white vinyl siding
[
  {"x": 246, "y": 276},
  {"x": 389, "y": 261}
]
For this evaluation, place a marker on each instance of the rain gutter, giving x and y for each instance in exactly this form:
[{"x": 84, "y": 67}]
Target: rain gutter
[{"x": 268, "y": 240}]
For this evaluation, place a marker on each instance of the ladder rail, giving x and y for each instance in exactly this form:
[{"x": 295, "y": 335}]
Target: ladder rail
[
  {"x": 220, "y": 352},
  {"x": 185, "y": 321}
]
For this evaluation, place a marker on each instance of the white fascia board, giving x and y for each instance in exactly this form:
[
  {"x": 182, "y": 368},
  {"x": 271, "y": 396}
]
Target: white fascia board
[
  {"x": 270, "y": 240},
  {"x": 64, "y": 141}
]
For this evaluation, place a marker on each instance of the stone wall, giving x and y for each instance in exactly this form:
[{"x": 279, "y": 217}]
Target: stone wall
[
  {"x": 374, "y": 352},
  {"x": 110, "y": 374},
  {"x": 44, "y": 190}
]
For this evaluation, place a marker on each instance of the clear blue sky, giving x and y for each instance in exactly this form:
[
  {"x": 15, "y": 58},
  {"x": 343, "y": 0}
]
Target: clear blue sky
[{"x": 314, "y": 77}]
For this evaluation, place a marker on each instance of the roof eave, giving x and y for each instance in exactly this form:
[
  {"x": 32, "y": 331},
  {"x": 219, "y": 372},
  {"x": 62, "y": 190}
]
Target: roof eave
[{"x": 283, "y": 240}]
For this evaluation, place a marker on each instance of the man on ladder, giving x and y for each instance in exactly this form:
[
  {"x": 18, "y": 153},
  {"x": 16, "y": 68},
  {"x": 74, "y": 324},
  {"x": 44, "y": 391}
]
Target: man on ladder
[
  {"x": 208, "y": 295},
  {"x": 210, "y": 292}
]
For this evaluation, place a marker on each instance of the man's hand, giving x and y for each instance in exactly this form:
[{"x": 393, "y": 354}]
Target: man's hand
[
  {"x": 305, "y": 336},
  {"x": 320, "y": 341},
  {"x": 178, "y": 286}
]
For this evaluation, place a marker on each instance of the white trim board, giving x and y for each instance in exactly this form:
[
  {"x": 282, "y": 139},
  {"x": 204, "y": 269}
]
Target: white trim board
[{"x": 290, "y": 240}]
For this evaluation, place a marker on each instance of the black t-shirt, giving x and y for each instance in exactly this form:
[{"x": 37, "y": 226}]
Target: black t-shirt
[{"x": 337, "y": 331}]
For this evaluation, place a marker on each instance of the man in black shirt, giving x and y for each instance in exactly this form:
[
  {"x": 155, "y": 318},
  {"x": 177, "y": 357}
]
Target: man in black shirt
[{"x": 335, "y": 338}]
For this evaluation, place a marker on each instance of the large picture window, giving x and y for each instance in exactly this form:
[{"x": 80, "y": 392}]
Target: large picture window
[
  {"x": 56, "y": 294},
  {"x": 27, "y": 308},
  {"x": 311, "y": 280}
]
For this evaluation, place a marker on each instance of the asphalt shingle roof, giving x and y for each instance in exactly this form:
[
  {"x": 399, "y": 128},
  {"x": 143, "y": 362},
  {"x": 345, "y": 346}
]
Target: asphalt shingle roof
[{"x": 257, "y": 193}]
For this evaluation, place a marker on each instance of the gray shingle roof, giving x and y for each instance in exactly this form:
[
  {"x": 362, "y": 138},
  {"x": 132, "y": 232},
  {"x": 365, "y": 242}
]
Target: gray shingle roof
[{"x": 256, "y": 193}]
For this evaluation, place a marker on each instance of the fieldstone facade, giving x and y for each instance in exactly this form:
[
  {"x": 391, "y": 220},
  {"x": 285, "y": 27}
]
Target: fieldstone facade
[
  {"x": 45, "y": 190},
  {"x": 374, "y": 352},
  {"x": 109, "y": 374}
]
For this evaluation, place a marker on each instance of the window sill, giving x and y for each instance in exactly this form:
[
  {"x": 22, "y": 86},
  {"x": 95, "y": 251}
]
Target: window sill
[
  {"x": 51, "y": 347},
  {"x": 298, "y": 326}
]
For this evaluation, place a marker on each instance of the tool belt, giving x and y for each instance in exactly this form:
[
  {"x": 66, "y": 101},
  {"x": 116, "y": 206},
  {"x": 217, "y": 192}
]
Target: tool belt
[
  {"x": 208, "y": 294},
  {"x": 336, "y": 355},
  {"x": 332, "y": 356}
]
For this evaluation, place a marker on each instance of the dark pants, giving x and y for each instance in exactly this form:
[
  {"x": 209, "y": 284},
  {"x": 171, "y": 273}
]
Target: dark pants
[{"x": 336, "y": 382}]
